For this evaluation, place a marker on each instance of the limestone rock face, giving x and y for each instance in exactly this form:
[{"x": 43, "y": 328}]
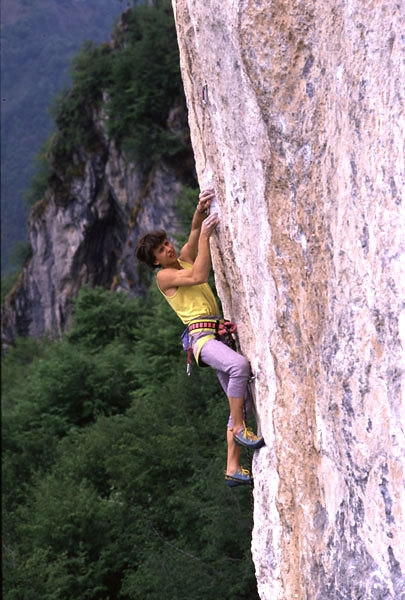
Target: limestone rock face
[
  {"x": 296, "y": 112},
  {"x": 85, "y": 232}
]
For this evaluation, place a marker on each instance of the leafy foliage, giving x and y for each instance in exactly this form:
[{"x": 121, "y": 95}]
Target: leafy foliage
[
  {"x": 21, "y": 252},
  {"x": 145, "y": 83},
  {"x": 40, "y": 179},
  {"x": 138, "y": 83},
  {"x": 113, "y": 465},
  {"x": 73, "y": 109}
]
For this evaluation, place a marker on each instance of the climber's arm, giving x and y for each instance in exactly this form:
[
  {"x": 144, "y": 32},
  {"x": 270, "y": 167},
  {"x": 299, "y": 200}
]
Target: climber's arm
[
  {"x": 173, "y": 278},
  {"x": 189, "y": 251}
]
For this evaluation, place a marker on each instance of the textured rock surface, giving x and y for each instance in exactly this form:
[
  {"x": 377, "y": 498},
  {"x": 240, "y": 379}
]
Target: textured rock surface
[
  {"x": 85, "y": 233},
  {"x": 296, "y": 112}
]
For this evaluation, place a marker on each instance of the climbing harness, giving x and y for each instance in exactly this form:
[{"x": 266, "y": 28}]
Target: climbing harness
[
  {"x": 198, "y": 326},
  {"x": 185, "y": 340},
  {"x": 222, "y": 330},
  {"x": 226, "y": 332}
]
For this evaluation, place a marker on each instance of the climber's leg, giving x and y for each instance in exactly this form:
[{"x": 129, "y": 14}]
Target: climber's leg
[
  {"x": 232, "y": 368},
  {"x": 233, "y": 372},
  {"x": 235, "y": 475},
  {"x": 233, "y": 455}
]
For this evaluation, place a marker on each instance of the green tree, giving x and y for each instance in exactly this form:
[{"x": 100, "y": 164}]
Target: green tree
[
  {"x": 110, "y": 499},
  {"x": 145, "y": 84}
]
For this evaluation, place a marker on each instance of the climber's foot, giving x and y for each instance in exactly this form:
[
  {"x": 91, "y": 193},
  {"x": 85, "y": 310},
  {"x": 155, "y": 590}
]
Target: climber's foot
[
  {"x": 240, "y": 477},
  {"x": 245, "y": 437}
]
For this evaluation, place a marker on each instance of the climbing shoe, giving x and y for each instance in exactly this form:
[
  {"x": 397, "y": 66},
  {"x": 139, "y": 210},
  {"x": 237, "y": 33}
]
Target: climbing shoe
[
  {"x": 245, "y": 437},
  {"x": 240, "y": 477}
]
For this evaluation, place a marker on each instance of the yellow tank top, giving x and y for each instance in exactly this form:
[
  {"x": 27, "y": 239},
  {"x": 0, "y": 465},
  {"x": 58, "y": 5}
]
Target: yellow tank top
[{"x": 193, "y": 301}]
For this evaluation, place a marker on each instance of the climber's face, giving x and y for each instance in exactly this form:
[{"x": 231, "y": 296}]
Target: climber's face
[{"x": 165, "y": 254}]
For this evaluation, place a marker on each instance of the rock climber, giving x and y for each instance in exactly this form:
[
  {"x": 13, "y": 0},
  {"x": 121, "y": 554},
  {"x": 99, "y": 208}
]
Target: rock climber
[{"x": 183, "y": 281}]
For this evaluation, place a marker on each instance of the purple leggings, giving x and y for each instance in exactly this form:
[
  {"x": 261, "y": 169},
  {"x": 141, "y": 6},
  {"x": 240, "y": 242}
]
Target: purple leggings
[{"x": 232, "y": 370}]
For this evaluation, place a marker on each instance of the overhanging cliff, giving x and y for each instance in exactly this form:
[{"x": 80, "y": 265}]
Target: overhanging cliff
[{"x": 296, "y": 112}]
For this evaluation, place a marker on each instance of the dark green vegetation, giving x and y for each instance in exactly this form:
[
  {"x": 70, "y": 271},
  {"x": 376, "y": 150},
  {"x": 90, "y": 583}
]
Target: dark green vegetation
[
  {"x": 140, "y": 81},
  {"x": 113, "y": 465}
]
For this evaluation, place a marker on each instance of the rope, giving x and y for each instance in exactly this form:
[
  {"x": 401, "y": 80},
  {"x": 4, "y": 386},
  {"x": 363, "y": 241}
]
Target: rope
[
  {"x": 249, "y": 453},
  {"x": 252, "y": 398}
]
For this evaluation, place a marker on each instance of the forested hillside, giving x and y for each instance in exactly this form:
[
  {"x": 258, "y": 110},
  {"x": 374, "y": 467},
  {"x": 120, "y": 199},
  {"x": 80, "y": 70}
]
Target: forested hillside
[
  {"x": 38, "y": 39},
  {"x": 113, "y": 477}
]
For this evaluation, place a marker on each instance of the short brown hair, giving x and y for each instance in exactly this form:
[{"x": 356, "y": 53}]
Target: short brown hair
[{"x": 147, "y": 245}]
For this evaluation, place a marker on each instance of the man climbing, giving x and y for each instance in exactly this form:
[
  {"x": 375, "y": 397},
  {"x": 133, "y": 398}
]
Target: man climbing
[{"x": 183, "y": 281}]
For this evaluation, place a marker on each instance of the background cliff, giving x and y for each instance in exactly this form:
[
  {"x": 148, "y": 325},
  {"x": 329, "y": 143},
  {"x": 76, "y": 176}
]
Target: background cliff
[
  {"x": 37, "y": 39},
  {"x": 116, "y": 165},
  {"x": 296, "y": 112}
]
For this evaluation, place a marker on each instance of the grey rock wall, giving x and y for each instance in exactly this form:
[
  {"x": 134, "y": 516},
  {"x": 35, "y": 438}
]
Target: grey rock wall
[
  {"x": 85, "y": 232},
  {"x": 296, "y": 111}
]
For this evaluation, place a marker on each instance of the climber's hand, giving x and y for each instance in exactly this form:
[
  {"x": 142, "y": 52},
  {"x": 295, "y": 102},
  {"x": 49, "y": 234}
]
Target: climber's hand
[
  {"x": 209, "y": 224},
  {"x": 204, "y": 200}
]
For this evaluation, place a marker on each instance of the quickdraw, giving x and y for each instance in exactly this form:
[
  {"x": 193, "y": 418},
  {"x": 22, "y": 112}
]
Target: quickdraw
[{"x": 225, "y": 332}]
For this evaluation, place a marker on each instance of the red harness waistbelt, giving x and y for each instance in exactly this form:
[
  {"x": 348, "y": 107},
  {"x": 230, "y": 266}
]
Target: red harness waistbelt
[
  {"x": 220, "y": 327},
  {"x": 203, "y": 325}
]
